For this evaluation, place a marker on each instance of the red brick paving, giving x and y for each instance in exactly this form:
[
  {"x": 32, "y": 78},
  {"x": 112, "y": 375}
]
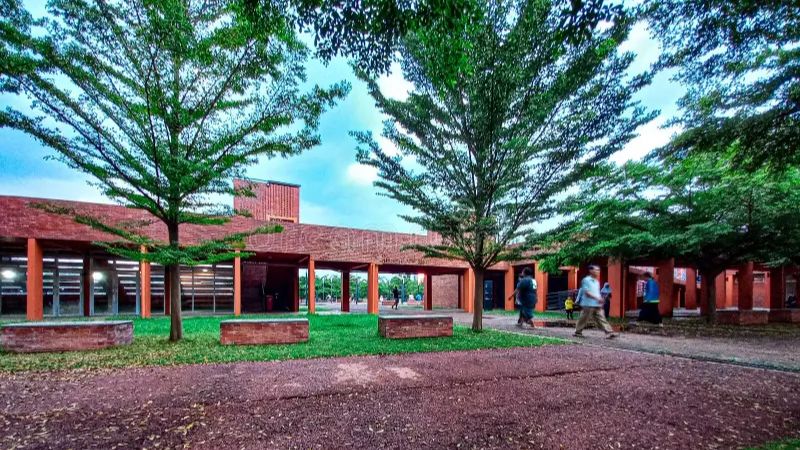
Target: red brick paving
[{"x": 574, "y": 397}]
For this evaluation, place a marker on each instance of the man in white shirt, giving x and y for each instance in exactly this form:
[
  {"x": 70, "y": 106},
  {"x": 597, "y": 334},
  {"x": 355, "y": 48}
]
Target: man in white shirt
[{"x": 592, "y": 304}]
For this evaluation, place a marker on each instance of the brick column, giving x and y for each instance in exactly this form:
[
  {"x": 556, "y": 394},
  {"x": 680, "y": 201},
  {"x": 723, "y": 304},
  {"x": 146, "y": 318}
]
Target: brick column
[
  {"x": 572, "y": 278},
  {"x": 237, "y": 285},
  {"x": 345, "y": 291},
  {"x": 617, "y": 272},
  {"x": 777, "y": 288},
  {"x": 372, "y": 289},
  {"x": 312, "y": 286},
  {"x": 34, "y": 309},
  {"x": 144, "y": 281},
  {"x": 631, "y": 281},
  {"x": 541, "y": 288},
  {"x": 468, "y": 290},
  {"x": 746, "y": 287},
  {"x": 691, "y": 288},
  {"x": 509, "y": 285},
  {"x": 729, "y": 301},
  {"x": 720, "y": 289},
  {"x": 87, "y": 287},
  {"x": 428, "y": 301},
  {"x": 666, "y": 282}
]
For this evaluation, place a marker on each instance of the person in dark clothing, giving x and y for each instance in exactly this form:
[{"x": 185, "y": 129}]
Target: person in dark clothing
[
  {"x": 526, "y": 293},
  {"x": 606, "y": 294},
  {"x": 649, "y": 311},
  {"x": 396, "y": 295}
]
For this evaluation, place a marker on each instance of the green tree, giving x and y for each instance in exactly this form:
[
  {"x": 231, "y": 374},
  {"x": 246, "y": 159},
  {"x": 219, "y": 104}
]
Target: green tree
[
  {"x": 702, "y": 209},
  {"x": 740, "y": 60},
  {"x": 162, "y": 103},
  {"x": 486, "y": 145}
]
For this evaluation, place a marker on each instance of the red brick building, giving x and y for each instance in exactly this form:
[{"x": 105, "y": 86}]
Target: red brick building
[{"x": 51, "y": 266}]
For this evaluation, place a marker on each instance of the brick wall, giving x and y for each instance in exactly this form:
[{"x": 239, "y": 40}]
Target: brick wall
[
  {"x": 269, "y": 331},
  {"x": 403, "y": 327},
  {"x": 65, "y": 336},
  {"x": 445, "y": 291},
  {"x": 272, "y": 200}
]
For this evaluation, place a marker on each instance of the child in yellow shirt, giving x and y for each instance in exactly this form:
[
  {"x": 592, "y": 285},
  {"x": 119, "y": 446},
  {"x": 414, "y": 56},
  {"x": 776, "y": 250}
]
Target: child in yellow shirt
[{"x": 569, "y": 307}]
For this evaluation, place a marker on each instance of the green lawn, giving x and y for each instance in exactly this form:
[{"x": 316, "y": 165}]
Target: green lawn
[
  {"x": 789, "y": 444},
  {"x": 330, "y": 335}
]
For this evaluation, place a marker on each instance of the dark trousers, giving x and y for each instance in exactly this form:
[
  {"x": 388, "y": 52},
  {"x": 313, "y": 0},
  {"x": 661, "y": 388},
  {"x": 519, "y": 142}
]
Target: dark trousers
[{"x": 650, "y": 313}]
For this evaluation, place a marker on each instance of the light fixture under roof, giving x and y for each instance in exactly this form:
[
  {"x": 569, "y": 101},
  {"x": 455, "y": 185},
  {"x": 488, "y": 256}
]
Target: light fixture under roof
[
  {"x": 97, "y": 276},
  {"x": 8, "y": 274}
]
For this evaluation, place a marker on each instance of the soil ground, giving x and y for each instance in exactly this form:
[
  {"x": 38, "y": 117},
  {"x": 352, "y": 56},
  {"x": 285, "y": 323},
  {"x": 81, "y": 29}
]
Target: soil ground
[{"x": 564, "y": 396}]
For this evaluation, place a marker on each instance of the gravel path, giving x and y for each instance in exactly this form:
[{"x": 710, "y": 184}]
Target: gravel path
[
  {"x": 779, "y": 352},
  {"x": 575, "y": 397}
]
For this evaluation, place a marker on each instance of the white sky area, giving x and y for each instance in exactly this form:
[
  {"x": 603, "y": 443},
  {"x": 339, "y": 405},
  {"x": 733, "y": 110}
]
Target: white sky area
[{"x": 335, "y": 189}]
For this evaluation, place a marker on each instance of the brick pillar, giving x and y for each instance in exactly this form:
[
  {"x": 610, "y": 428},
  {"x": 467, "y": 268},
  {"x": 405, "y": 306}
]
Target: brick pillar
[
  {"x": 720, "y": 289},
  {"x": 509, "y": 285},
  {"x": 372, "y": 289},
  {"x": 541, "y": 288},
  {"x": 617, "y": 271},
  {"x": 345, "y": 291},
  {"x": 87, "y": 287},
  {"x": 777, "y": 288},
  {"x": 34, "y": 308},
  {"x": 468, "y": 290},
  {"x": 691, "y": 288},
  {"x": 144, "y": 285},
  {"x": 666, "y": 283},
  {"x": 312, "y": 286},
  {"x": 237, "y": 285},
  {"x": 572, "y": 278},
  {"x": 746, "y": 287},
  {"x": 729, "y": 302},
  {"x": 428, "y": 292}
]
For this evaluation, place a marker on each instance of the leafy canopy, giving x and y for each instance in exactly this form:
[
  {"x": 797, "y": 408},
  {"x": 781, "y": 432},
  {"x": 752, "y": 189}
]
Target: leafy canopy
[
  {"x": 162, "y": 103},
  {"x": 506, "y": 113},
  {"x": 740, "y": 60},
  {"x": 702, "y": 209}
]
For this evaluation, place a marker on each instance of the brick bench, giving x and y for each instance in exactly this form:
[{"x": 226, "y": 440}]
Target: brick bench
[
  {"x": 414, "y": 326},
  {"x": 263, "y": 331},
  {"x": 65, "y": 336},
  {"x": 743, "y": 317}
]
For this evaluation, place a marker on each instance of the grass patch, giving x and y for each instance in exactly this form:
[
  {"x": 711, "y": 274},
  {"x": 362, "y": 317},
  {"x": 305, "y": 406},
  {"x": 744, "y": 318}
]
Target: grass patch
[
  {"x": 788, "y": 444},
  {"x": 330, "y": 335}
]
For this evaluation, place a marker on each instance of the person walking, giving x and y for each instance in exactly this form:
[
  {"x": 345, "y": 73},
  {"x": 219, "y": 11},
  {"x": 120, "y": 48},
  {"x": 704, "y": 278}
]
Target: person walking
[
  {"x": 526, "y": 294},
  {"x": 396, "y": 295},
  {"x": 606, "y": 294},
  {"x": 649, "y": 311},
  {"x": 592, "y": 305}
]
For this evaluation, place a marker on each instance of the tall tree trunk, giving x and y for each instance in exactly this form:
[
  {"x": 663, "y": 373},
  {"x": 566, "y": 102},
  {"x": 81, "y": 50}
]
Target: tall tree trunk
[
  {"x": 176, "y": 325},
  {"x": 711, "y": 281},
  {"x": 477, "y": 314}
]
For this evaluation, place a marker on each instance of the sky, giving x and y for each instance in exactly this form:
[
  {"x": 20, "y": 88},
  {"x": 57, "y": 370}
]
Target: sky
[{"x": 335, "y": 189}]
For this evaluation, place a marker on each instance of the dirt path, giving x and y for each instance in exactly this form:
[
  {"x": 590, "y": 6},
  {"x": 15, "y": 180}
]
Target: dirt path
[
  {"x": 575, "y": 397},
  {"x": 779, "y": 352}
]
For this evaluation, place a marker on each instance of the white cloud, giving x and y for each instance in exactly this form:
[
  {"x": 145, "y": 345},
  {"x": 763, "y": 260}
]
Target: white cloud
[
  {"x": 651, "y": 136},
  {"x": 361, "y": 174},
  {"x": 394, "y": 85}
]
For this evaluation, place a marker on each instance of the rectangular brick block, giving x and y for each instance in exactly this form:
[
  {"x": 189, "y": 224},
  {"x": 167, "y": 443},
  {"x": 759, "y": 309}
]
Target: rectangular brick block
[
  {"x": 65, "y": 336},
  {"x": 784, "y": 315},
  {"x": 263, "y": 331},
  {"x": 408, "y": 326},
  {"x": 745, "y": 317}
]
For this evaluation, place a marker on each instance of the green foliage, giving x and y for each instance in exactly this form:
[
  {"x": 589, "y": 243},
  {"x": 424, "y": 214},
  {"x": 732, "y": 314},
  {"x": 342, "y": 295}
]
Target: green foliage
[
  {"x": 702, "y": 209},
  {"x": 740, "y": 60},
  {"x": 162, "y": 103},
  {"x": 506, "y": 113},
  {"x": 330, "y": 336}
]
